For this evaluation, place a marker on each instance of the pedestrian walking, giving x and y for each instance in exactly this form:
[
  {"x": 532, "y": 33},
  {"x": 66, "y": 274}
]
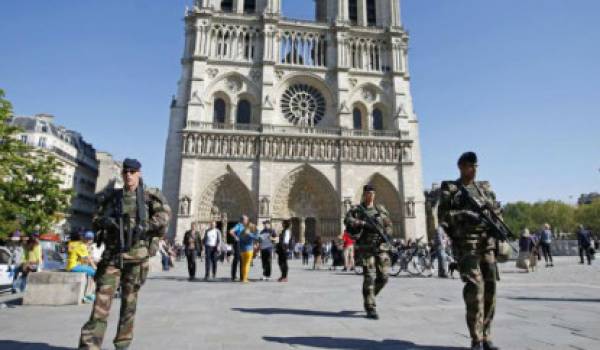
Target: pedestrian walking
[
  {"x": 546, "y": 238},
  {"x": 191, "y": 246},
  {"x": 526, "y": 259},
  {"x": 283, "y": 247},
  {"x": 212, "y": 243},
  {"x": 165, "y": 254},
  {"x": 584, "y": 240}
]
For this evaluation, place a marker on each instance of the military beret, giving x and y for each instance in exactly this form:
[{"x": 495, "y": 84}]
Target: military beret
[
  {"x": 131, "y": 164},
  {"x": 467, "y": 157},
  {"x": 369, "y": 188}
]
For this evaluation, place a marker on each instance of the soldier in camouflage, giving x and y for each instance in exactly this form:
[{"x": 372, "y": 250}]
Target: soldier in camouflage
[
  {"x": 128, "y": 220},
  {"x": 371, "y": 249},
  {"x": 474, "y": 247}
]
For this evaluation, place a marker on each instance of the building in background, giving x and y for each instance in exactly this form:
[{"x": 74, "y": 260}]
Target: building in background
[
  {"x": 79, "y": 165},
  {"x": 109, "y": 172},
  {"x": 287, "y": 119}
]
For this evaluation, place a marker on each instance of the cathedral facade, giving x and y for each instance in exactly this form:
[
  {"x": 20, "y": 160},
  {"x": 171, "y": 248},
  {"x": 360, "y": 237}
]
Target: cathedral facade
[{"x": 280, "y": 119}]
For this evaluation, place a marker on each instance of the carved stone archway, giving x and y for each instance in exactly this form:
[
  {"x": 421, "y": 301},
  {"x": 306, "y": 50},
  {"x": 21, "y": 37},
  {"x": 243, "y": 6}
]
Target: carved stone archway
[
  {"x": 388, "y": 196},
  {"x": 307, "y": 195},
  {"x": 226, "y": 196}
]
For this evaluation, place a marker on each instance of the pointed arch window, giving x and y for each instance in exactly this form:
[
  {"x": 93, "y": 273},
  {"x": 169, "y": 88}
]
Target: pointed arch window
[
  {"x": 249, "y": 6},
  {"x": 220, "y": 111},
  {"x": 227, "y": 5},
  {"x": 371, "y": 13},
  {"x": 357, "y": 118},
  {"x": 377, "y": 119},
  {"x": 353, "y": 11},
  {"x": 244, "y": 112}
]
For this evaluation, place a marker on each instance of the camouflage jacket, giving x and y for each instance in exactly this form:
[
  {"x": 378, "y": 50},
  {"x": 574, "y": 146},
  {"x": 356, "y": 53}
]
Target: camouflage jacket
[
  {"x": 369, "y": 239},
  {"x": 454, "y": 214},
  {"x": 157, "y": 214}
]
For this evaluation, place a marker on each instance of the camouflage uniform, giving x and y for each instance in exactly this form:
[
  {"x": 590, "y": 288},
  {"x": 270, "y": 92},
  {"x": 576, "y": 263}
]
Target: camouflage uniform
[
  {"x": 371, "y": 250},
  {"x": 131, "y": 274},
  {"x": 474, "y": 248}
]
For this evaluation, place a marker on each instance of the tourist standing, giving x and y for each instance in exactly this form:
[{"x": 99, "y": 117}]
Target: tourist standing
[
  {"x": 546, "y": 238},
  {"x": 527, "y": 259},
  {"x": 191, "y": 246},
  {"x": 165, "y": 255},
  {"x": 235, "y": 233},
  {"x": 348, "y": 246},
  {"x": 266, "y": 238},
  {"x": 247, "y": 239},
  {"x": 79, "y": 260},
  {"x": 440, "y": 244},
  {"x": 305, "y": 253},
  {"x": 17, "y": 242},
  {"x": 212, "y": 243},
  {"x": 283, "y": 250},
  {"x": 317, "y": 253},
  {"x": 32, "y": 258},
  {"x": 584, "y": 239}
]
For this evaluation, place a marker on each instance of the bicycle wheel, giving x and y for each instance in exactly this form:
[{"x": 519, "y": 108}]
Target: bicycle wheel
[
  {"x": 425, "y": 262},
  {"x": 395, "y": 269},
  {"x": 415, "y": 266}
]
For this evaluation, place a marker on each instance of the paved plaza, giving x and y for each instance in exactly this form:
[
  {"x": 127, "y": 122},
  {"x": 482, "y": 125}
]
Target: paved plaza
[{"x": 555, "y": 308}]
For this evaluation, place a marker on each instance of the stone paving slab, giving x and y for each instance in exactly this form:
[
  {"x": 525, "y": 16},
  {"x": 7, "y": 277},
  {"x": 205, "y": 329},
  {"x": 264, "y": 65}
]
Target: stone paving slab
[{"x": 554, "y": 308}]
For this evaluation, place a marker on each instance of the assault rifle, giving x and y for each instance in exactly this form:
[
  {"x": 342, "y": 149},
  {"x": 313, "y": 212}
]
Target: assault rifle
[
  {"x": 371, "y": 225},
  {"x": 498, "y": 228}
]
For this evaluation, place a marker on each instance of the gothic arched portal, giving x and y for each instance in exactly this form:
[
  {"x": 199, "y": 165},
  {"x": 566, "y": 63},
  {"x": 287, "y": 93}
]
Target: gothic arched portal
[
  {"x": 386, "y": 195},
  {"x": 226, "y": 196},
  {"x": 307, "y": 197}
]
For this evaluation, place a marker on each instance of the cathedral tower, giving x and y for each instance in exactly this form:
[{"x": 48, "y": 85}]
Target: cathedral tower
[{"x": 287, "y": 119}]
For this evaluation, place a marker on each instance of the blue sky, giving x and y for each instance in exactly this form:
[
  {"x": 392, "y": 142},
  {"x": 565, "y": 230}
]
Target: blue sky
[{"x": 518, "y": 81}]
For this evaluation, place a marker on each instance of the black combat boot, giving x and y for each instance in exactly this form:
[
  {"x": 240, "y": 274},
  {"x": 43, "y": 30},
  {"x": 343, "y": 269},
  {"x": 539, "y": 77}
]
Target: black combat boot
[
  {"x": 488, "y": 345},
  {"x": 372, "y": 314},
  {"x": 477, "y": 345}
]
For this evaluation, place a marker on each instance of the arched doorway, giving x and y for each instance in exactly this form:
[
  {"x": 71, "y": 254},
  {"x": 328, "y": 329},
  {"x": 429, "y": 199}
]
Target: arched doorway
[
  {"x": 388, "y": 196},
  {"x": 307, "y": 197},
  {"x": 225, "y": 200}
]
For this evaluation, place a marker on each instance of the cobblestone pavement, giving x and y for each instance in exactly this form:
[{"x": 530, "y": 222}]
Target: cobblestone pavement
[{"x": 553, "y": 308}]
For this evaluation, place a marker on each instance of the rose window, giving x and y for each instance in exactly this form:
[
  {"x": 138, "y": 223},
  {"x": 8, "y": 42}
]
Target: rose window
[{"x": 303, "y": 105}]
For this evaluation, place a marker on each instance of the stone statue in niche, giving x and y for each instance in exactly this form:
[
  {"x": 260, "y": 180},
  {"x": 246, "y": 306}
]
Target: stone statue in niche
[
  {"x": 264, "y": 206},
  {"x": 184, "y": 206}
]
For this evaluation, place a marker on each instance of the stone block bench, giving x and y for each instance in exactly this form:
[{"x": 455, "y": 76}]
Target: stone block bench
[{"x": 55, "y": 288}]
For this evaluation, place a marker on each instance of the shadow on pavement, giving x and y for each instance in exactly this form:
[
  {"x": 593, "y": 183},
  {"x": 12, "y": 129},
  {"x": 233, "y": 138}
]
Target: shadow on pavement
[
  {"x": 355, "y": 344},
  {"x": 300, "y": 312},
  {"x": 185, "y": 279},
  {"x": 576, "y": 300},
  {"x": 17, "y": 345}
]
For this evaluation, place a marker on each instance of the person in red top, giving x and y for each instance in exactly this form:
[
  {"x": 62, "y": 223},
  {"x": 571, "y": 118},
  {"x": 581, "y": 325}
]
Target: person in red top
[{"x": 348, "y": 251}]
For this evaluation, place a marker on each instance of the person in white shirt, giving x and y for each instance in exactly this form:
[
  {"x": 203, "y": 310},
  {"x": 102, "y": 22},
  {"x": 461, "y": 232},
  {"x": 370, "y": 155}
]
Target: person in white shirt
[
  {"x": 283, "y": 250},
  {"x": 212, "y": 244}
]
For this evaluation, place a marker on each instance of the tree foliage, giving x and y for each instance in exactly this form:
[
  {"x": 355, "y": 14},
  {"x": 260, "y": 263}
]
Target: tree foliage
[
  {"x": 561, "y": 216},
  {"x": 30, "y": 189}
]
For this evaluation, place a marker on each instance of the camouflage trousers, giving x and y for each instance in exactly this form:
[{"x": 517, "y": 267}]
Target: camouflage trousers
[
  {"x": 479, "y": 272},
  {"x": 375, "y": 276},
  {"x": 108, "y": 279}
]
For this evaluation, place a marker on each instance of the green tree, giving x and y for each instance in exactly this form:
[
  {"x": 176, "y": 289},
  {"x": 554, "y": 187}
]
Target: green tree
[
  {"x": 559, "y": 215},
  {"x": 589, "y": 215},
  {"x": 518, "y": 216},
  {"x": 30, "y": 192}
]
